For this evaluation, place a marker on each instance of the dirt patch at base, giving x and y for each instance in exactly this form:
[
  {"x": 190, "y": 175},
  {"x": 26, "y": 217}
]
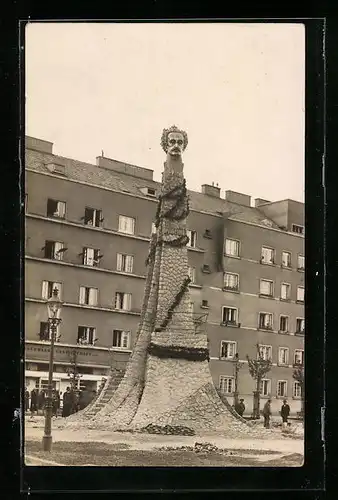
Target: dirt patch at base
[{"x": 102, "y": 454}]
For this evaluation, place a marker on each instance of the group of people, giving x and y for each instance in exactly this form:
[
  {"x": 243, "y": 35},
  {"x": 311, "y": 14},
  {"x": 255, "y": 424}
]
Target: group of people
[
  {"x": 239, "y": 407},
  {"x": 72, "y": 401},
  {"x": 284, "y": 412}
]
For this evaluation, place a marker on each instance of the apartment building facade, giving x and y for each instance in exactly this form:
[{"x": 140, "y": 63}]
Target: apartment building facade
[{"x": 87, "y": 233}]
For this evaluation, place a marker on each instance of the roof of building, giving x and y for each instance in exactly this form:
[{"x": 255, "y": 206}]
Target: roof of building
[{"x": 116, "y": 181}]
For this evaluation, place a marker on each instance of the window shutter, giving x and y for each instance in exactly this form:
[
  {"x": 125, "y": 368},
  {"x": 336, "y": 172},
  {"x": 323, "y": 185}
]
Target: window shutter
[
  {"x": 126, "y": 304},
  {"x": 82, "y": 297},
  {"x": 129, "y": 263},
  {"x": 61, "y": 208},
  {"x": 91, "y": 335},
  {"x": 125, "y": 340},
  {"x": 44, "y": 290},
  {"x": 119, "y": 262},
  {"x": 92, "y": 296},
  {"x": 90, "y": 256}
]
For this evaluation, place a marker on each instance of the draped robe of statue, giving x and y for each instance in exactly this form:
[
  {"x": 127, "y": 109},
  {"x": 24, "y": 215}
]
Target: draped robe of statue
[{"x": 167, "y": 381}]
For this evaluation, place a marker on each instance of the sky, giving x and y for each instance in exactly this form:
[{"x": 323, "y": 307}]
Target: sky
[{"x": 238, "y": 89}]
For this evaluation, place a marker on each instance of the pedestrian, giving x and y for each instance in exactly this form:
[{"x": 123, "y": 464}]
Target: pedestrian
[
  {"x": 267, "y": 413},
  {"x": 54, "y": 404},
  {"x": 66, "y": 407},
  {"x": 34, "y": 401},
  {"x": 26, "y": 399},
  {"x": 41, "y": 400},
  {"x": 240, "y": 407},
  {"x": 285, "y": 412}
]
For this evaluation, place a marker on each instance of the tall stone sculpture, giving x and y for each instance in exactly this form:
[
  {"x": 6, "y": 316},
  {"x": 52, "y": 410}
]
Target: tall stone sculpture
[{"x": 167, "y": 381}]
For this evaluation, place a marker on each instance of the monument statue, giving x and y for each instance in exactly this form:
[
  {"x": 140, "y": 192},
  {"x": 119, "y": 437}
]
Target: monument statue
[{"x": 167, "y": 382}]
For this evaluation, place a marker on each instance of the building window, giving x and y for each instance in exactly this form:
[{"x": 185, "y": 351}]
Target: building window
[
  {"x": 283, "y": 355},
  {"x": 265, "y": 387},
  {"x": 44, "y": 333},
  {"x": 266, "y": 288},
  {"x": 126, "y": 224},
  {"x": 301, "y": 263},
  {"x": 123, "y": 301},
  {"x": 267, "y": 255},
  {"x": 284, "y": 324},
  {"x": 56, "y": 208},
  {"x": 192, "y": 235},
  {"x": 297, "y": 390},
  {"x": 91, "y": 257},
  {"x": 226, "y": 384},
  {"x": 86, "y": 335},
  {"x": 54, "y": 250},
  {"x": 299, "y": 357},
  {"x": 265, "y": 321},
  {"x": 48, "y": 287},
  {"x": 231, "y": 281},
  {"x": 191, "y": 307},
  {"x": 228, "y": 349},
  {"x": 296, "y": 228},
  {"x": 285, "y": 291},
  {"x": 300, "y": 294},
  {"x": 286, "y": 259},
  {"x": 125, "y": 263},
  {"x": 192, "y": 274},
  {"x": 232, "y": 247},
  {"x": 300, "y": 325},
  {"x": 229, "y": 315},
  {"x": 282, "y": 388},
  {"x": 265, "y": 352},
  {"x": 121, "y": 339},
  {"x": 88, "y": 296},
  {"x": 93, "y": 217}
]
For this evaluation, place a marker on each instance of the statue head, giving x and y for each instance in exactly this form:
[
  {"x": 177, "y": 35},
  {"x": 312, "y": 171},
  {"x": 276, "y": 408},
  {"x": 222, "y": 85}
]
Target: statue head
[{"x": 174, "y": 141}]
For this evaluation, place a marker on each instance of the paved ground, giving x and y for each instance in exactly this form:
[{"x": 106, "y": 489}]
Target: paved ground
[{"x": 94, "y": 447}]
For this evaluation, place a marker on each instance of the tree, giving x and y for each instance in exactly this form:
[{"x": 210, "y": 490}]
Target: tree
[
  {"x": 73, "y": 370},
  {"x": 237, "y": 367},
  {"x": 298, "y": 375},
  {"x": 258, "y": 368}
]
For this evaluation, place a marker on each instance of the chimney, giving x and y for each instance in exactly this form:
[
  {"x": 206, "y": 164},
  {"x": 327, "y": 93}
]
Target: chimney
[
  {"x": 124, "y": 168},
  {"x": 240, "y": 198},
  {"x": 38, "y": 145},
  {"x": 260, "y": 201},
  {"x": 211, "y": 190}
]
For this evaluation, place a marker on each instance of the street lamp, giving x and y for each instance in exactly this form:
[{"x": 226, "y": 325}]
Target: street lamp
[{"x": 54, "y": 305}]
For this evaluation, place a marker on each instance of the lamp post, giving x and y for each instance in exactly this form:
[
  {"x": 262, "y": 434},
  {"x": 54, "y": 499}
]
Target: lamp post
[{"x": 54, "y": 305}]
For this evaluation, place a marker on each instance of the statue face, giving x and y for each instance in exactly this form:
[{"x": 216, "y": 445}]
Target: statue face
[{"x": 175, "y": 143}]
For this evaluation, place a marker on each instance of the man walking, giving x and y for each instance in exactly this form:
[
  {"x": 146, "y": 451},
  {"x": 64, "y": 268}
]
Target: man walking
[
  {"x": 34, "y": 401},
  {"x": 267, "y": 413},
  {"x": 66, "y": 407},
  {"x": 240, "y": 407},
  {"x": 26, "y": 399},
  {"x": 285, "y": 412}
]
